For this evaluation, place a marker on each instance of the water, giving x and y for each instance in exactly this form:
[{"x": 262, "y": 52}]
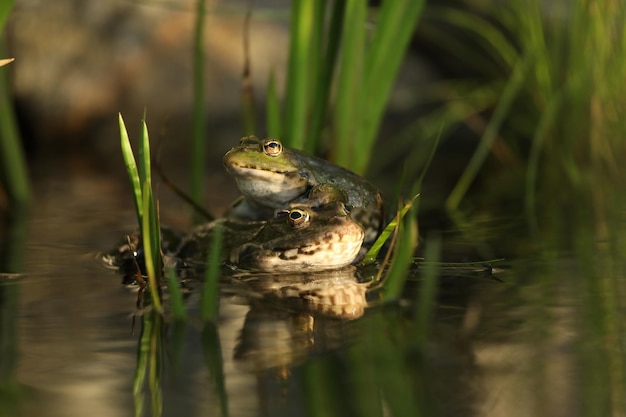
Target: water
[{"x": 544, "y": 338}]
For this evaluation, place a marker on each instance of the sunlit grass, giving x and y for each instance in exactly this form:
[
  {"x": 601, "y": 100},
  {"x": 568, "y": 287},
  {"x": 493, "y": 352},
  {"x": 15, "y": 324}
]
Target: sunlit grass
[
  {"x": 327, "y": 40},
  {"x": 13, "y": 172},
  {"x": 199, "y": 133},
  {"x": 147, "y": 216}
]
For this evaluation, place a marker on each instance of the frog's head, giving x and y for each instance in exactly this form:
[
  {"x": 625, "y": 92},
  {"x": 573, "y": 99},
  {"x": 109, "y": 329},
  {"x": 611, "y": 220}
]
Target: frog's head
[
  {"x": 304, "y": 239},
  {"x": 266, "y": 172}
]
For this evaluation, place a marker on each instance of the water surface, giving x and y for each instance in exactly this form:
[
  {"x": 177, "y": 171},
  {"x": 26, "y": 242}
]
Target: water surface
[{"x": 542, "y": 336}]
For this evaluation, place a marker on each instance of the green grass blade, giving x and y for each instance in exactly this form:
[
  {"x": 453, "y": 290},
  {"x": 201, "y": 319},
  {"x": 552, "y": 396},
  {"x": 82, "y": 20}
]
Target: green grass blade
[
  {"x": 13, "y": 172},
  {"x": 131, "y": 168},
  {"x": 150, "y": 243},
  {"x": 210, "y": 291},
  {"x": 398, "y": 20},
  {"x": 511, "y": 90},
  {"x": 315, "y": 68},
  {"x": 349, "y": 100},
  {"x": 273, "y": 108},
  {"x": 297, "y": 100},
  {"x": 539, "y": 138},
  {"x": 371, "y": 255},
  {"x": 321, "y": 93},
  {"x": 176, "y": 295},
  {"x": 199, "y": 132},
  {"x": 144, "y": 153}
]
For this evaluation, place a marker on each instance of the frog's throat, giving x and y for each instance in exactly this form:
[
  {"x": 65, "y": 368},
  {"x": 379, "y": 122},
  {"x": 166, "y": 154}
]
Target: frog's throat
[{"x": 271, "y": 189}]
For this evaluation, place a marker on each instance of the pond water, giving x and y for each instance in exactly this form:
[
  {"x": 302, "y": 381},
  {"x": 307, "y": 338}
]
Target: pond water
[{"x": 540, "y": 336}]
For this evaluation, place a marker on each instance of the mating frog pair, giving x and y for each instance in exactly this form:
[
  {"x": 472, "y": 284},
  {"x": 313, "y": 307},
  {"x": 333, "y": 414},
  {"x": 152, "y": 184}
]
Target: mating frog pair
[
  {"x": 314, "y": 215},
  {"x": 298, "y": 213}
]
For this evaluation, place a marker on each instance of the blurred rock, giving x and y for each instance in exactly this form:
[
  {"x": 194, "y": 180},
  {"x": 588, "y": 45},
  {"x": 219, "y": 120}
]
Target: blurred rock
[{"x": 79, "y": 63}]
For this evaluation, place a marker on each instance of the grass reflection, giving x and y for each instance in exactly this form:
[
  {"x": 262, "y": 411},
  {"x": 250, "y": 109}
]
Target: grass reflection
[
  {"x": 149, "y": 365},
  {"x": 11, "y": 264},
  {"x": 213, "y": 357}
]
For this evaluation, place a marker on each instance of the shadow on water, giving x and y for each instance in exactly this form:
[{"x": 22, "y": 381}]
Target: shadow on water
[{"x": 542, "y": 334}]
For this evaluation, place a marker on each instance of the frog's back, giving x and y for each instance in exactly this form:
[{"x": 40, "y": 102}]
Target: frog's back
[
  {"x": 363, "y": 198},
  {"x": 359, "y": 191}
]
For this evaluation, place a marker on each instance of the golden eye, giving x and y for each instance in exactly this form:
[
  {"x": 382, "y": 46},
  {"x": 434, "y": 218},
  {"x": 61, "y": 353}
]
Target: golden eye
[
  {"x": 298, "y": 218},
  {"x": 272, "y": 147}
]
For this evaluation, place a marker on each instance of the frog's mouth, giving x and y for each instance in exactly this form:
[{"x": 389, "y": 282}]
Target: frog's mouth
[{"x": 266, "y": 174}]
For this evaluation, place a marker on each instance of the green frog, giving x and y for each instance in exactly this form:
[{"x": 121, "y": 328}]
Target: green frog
[
  {"x": 271, "y": 176},
  {"x": 297, "y": 239}
]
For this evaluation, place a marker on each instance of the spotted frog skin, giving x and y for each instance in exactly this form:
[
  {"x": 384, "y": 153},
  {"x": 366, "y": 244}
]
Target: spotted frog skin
[
  {"x": 298, "y": 239},
  {"x": 272, "y": 177}
]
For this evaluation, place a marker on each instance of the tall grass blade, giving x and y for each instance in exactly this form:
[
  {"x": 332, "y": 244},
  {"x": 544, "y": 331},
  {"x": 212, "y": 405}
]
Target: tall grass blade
[
  {"x": 328, "y": 62},
  {"x": 315, "y": 69},
  {"x": 151, "y": 245},
  {"x": 511, "y": 90},
  {"x": 210, "y": 290},
  {"x": 350, "y": 92},
  {"x": 274, "y": 127},
  {"x": 145, "y": 171},
  {"x": 13, "y": 172},
  {"x": 131, "y": 168},
  {"x": 299, "y": 69},
  {"x": 539, "y": 138},
  {"x": 198, "y": 151},
  {"x": 394, "y": 28}
]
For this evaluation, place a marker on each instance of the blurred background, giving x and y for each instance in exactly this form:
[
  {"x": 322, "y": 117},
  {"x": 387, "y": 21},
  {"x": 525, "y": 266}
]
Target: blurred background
[{"x": 524, "y": 102}]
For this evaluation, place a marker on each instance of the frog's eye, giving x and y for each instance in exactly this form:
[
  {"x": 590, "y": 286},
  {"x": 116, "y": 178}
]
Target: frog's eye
[
  {"x": 298, "y": 218},
  {"x": 272, "y": 147}
]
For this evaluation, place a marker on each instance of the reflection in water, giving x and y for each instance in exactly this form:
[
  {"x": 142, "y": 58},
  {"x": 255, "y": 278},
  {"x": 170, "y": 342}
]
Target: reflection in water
[
  {"x": 295, "y": 316},
  {"x": 290, "y": 318},
  {"x": 13, "y": 234},
  {"x": 545, "y": 340},
  {"x": 335, "y": 293}
]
